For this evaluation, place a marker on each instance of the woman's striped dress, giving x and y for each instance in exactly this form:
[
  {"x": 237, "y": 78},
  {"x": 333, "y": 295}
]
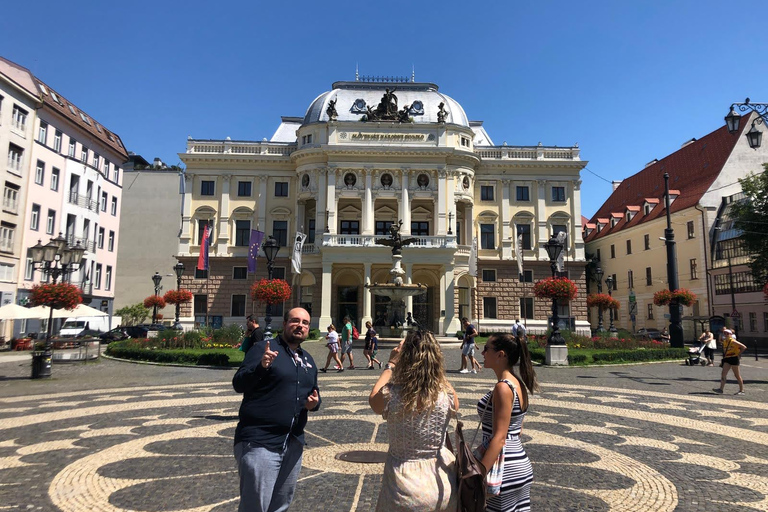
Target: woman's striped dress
[{"x": 518, "y": 473}]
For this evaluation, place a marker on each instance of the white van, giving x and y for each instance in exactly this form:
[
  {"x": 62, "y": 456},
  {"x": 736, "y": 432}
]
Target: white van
[{"x": 75, "y": 326}]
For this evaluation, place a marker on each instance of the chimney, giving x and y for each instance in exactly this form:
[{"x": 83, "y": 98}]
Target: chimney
[{"x": 615, "y": 184}]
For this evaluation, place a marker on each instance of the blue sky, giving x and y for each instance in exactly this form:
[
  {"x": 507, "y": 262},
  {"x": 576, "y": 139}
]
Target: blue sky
[{"x": 628, "y": 81}]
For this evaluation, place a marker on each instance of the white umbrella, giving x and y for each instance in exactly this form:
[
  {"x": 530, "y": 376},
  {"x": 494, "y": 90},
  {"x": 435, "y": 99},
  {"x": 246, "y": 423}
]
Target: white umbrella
[
  {"x": 80, "y": 310},
  {"x": 16, "y": 312}
]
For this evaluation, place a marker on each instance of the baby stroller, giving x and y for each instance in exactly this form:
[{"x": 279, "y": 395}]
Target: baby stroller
[{"x": 695, "y": 357}]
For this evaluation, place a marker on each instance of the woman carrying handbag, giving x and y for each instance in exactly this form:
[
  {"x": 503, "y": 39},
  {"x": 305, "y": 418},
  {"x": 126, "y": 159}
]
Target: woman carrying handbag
[{"x": 502, "y": 411}]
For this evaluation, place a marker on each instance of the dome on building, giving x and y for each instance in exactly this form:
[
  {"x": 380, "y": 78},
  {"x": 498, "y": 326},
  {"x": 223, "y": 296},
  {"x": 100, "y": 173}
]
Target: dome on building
[{"x": 354, "y": 98}]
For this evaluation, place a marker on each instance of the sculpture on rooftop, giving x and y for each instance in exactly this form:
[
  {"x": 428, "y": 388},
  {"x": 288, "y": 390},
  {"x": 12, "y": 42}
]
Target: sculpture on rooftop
[
  {"x": 442, "y": 114},
  {"x": 387, "y": 109},
  {"x": 331, "y": 110}
]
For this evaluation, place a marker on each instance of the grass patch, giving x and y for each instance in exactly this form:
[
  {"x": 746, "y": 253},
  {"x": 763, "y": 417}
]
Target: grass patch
[{"x": 138, "y": 350}]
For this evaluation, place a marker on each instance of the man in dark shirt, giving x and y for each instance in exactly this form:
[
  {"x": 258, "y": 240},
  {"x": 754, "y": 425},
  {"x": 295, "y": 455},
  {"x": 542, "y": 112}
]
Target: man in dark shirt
[
  {"x": 279, "y": 385},
  {"x": 253, "y": 333}
]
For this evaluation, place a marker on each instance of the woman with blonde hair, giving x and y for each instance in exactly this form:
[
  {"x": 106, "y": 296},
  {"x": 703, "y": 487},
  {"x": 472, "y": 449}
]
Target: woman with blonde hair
[
  {"x": 418, "y": 402},
  {"x": 502, "y": 411}
]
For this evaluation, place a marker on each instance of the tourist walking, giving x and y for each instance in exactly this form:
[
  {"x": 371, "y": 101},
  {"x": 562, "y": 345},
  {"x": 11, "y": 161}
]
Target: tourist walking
[
  {"x": 253, "y": 333},
  {"x": 468, "y": 362},
  {"x": 371, "y": 344},
  {"x": 710, "y": 344},
  {"x": 279, "y": 384},
  {"x": 333, "y": 349},
  {"x": 346, "y": 343},
  {"x": 732, "y": 350},
  {"x": 418, "y": 402},
  {"x": 502, "y": 411}
]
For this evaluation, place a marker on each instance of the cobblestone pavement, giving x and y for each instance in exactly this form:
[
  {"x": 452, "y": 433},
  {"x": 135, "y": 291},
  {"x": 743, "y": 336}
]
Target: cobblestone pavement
[{"x": 115, "y": 436}]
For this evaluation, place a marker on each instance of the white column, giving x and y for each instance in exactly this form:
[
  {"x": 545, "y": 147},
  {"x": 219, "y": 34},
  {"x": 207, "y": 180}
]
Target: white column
[
  {"x": 322, "y": 193},
  {"x": 506, "y": 208},
  {"x": 366, "y": 296},
  {"x": 368, "y": 204},
  {"x": 469, "y": 225},
  {"x": 262, "y": 202},
  {"x": 575, "y": 235},
  {"x": 541, "y": 235},
  {"x": 409, "y": 280},
  {"x": 222, "y": 237},
  {"x": 301, "y": 211},
  {"x": 332, "y": 201},
  {"x": 442, "y": 203},
  {"x": 325, "y": 302},
  {"x": 405, "y": 204},
  {"x": 451, "y": 322}
]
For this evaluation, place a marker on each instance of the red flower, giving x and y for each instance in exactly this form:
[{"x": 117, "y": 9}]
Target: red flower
[
  {"x": 682, "y": 296},
  {"x": 271, "y": 291},
  {"x": 602, "y": 301},
  {"x": 177, "y": 296},
  {"x": 56, "y": 295},
  {"x": 560, "y": 288},
  {"x": 154, "y": 300}
]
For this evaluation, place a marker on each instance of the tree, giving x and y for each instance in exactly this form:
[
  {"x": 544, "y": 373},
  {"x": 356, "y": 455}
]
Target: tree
[
  {"x": 751, "y": 218},
  {"x": 133, "y": 315}
]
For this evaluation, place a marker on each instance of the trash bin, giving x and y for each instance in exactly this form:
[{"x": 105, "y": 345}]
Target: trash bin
[{"x": 41, "y": 364}]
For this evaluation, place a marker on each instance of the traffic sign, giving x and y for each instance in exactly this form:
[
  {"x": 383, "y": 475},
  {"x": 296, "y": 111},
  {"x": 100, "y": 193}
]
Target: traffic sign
[
  {"x": 632, "y": 297},
  {"x": 735, "y": 314},
  {"x": 632, "y": 308}
]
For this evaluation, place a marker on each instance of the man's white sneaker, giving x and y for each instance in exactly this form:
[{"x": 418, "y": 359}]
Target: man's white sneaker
[{"x": 464, "y": 371}]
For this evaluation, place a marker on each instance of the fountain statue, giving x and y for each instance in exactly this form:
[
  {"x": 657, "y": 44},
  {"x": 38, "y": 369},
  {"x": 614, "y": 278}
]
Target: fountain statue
[{"x": 397, "y": 289}]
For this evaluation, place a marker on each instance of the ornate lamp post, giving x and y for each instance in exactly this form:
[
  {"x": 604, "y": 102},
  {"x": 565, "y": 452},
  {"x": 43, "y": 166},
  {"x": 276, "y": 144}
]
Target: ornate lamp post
[
  {"x": 599, "y": 274},
  {"x": 609, "y": 284},
  {"x": 554, "y": 248},
  {"x": 270, "y": 248},
  {"x": 675, "y": 322},
  {"x": 53, "y": 260},
  {"x": 156, "y": 279},
  {"x": 732, "y": 121},
  {"x": 179, "y": 269}
]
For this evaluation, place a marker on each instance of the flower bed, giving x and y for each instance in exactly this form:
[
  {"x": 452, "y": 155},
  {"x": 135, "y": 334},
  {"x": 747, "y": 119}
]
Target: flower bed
[
  {"x": 133, "y": 349},
  {"x": 560, "y": 288}
]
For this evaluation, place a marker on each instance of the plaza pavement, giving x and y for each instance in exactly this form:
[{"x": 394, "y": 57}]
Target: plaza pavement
[{"x": 116, "y": 436}]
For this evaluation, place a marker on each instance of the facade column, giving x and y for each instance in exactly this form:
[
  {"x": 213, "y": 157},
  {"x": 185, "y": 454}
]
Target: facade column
[
  {"x": 575, "y": 235},
  {"x": 368, "y": 203},
  {"x": 262, "y": 202},
  {"x": 442, "y": 202},
  {"x": 541, "y": 235},
  {"x": 301, "y": 211},
  {"x": 409, "y": 280},
  {"x": 325, "y": 301},
  {"x": 222, "y": 237},
  {"x": 405, "y": 204},
  {"x": 322, "y": 205},
  {"x": 506, "y": 209},
  {"x": 450, "y": 320},
  {"x": 332, "y": 200},
  {"x": 469, "y": 224},
  {"x": 366, "y": 296}
]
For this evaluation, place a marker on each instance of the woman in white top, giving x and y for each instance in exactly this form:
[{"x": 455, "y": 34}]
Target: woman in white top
[
  {"x": 710, "y": 344},
  {"x": 333, "y": 349}
]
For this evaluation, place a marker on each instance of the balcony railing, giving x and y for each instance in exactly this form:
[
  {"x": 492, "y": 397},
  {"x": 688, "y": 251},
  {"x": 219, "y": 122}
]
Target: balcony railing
[
  {"x": 370, "y": 241},
  {"x": 239, "y": 147},
  {"x": 83, "y": 201},
  {"x": 88, "y": 245},
  {"x": 528, "y": 153}
]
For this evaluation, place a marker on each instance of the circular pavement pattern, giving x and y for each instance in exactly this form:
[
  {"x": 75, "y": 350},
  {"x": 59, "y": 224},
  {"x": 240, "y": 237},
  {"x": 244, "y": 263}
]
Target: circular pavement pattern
[{"x": 169, "y": 448}]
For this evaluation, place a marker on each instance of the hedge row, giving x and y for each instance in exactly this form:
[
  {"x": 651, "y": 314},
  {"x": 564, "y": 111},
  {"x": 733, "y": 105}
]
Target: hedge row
[
  {"x": 577, "y": 358},
  {"x": 168, "y": 356},
  {"x": 640, "y": 355}
]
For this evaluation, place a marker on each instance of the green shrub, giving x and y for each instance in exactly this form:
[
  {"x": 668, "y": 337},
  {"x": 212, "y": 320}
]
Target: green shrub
[
  {"x": 640, "y": 355},
  {"x": 577, "y": 358},
  {"x": 230, "y": 335},
  {"x": 144, "y": 350},
  {"x": 538, "y": 354},
  {"x": 314, "y": 334}
]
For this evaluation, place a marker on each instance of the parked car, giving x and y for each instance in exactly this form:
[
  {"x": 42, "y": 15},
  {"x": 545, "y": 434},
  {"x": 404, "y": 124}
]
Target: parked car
[
  {"x": 142, "y": 331},
  {"x": 115, "y": 334},
  {"x": 649, "y": 334}
]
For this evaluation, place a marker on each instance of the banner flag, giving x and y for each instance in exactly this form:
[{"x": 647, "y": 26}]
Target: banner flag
[
  {"x": 519, "y": 255},
  {"x": 297, "y": 247},
  {"x": 253, "y": 248},
  {"x": 473, "y": 259},
  {"x": 561, "y": 237},
  {"x": 202, "y": 260}
]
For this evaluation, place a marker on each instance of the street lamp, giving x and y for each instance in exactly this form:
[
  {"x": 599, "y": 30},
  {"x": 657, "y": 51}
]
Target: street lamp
[
  {"x": 609, "y": 284},
  {"x": 179, "y": 269},
  {"x": 599, "y": 274},
  {"x": 270, "y": 248},
  {"x": 53, "y": 260},
  {"x": 450, "y": 221},
  {"x": 733, "y": 119},
  {"x": 156, "y": 279},
  {"x": 675, "y": 322},
  {"x": 554, "y": 248}
]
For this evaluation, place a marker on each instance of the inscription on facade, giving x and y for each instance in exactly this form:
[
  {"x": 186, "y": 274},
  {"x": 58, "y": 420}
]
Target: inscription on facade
[{"x": 402, "y": 137}]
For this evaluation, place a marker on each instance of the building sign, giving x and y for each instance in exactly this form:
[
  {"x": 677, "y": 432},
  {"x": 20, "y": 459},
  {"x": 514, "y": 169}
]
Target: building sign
[{"x": 388, "y": 137}]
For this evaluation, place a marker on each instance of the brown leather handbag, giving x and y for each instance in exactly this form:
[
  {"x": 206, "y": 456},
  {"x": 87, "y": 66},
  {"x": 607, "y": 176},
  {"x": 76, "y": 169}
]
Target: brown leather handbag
[{"x": 471, "y": 473}]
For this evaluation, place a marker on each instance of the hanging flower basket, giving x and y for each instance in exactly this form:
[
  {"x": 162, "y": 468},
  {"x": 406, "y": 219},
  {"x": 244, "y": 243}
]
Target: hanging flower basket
[
  {"x": 602, "y": 301},
  {"x": 271, "y": 291},
  {"x": 56, "y": 295},
  {"x": 560, "y": 288},
  {"x": 682, "y": 296},
  {"x": 177, "y": 296},
  {"x": 154, "y": 300}
]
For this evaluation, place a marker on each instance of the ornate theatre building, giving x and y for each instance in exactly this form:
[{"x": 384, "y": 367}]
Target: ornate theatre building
[{"x": 366, "y": 155}]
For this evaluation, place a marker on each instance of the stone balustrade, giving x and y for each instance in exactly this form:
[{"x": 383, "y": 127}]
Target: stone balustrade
[{"x": 527, "y": 153}]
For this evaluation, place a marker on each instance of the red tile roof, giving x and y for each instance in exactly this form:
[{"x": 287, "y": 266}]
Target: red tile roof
[{"x": 692, "y": 170}]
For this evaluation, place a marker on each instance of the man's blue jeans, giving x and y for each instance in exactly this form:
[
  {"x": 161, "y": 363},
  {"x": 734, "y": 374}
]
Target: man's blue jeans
[{"x": 267, "y": 478}]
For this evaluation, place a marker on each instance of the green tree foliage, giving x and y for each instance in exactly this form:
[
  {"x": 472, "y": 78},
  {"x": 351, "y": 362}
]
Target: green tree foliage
[
  {"x": 751, "y": 217},
  {"x": 133, "y": 315}
]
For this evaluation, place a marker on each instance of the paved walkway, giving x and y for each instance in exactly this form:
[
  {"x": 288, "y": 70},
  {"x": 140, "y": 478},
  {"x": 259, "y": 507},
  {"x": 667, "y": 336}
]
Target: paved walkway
[{"x": 113, "y": 436}]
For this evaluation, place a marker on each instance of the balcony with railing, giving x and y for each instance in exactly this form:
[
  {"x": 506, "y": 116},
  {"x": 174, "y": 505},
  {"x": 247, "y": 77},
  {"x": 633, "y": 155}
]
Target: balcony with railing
[
  {"x": 527, "y": 153},
  {"x": 422, "y": 242},
  {"x": 88, "y": 245},
  {"x": 83, "y": 201},
  {"x": 224, "y": 147}
]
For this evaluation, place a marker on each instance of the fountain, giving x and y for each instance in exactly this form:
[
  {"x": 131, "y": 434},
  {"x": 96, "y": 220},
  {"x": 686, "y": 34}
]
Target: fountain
[{"x": 397, "y": 289}]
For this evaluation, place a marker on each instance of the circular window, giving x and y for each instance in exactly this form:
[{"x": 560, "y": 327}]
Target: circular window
[
  {"x": 422, "y": 180},
  {"x": 465, "y": 183},
  {"x": 350, "y": 179},
  {"x": 305, "y": 181},
  {"x": 360, "y": 104},
  {"x": 386, "y": 180}
]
